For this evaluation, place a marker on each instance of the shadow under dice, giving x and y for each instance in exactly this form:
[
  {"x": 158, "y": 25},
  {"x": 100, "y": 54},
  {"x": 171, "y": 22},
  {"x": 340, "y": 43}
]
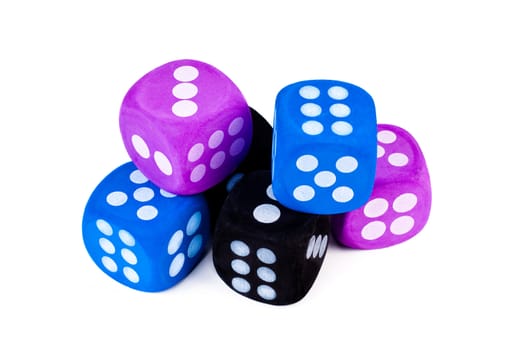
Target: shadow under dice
[
  {"x": 186, "y": 126},
  {"x": 323, "y": 146},
  {"x": 263, "y": 250},
  {"x": 400, "y": 203},
  {"x": 142, "y": 236}
]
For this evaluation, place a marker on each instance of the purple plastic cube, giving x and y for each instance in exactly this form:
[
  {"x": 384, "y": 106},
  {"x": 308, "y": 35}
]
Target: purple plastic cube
[
  {"x": 186, "y": 126},
  {"x": 400, "y": 203}
]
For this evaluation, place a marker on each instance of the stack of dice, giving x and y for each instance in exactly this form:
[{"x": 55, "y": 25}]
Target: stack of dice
[{"x": 207, "y": 171}]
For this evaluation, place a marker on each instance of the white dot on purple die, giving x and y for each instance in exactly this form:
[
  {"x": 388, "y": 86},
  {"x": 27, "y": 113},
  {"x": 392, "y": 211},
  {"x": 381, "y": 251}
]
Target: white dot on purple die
[
  {"x": 266, "y": 256},
  {"x": 127, "y": 238},
  {"x": 116, "y": 198},
  {"x": 186, "y": 73},
  {"x": 266, "y": 292},
  {"x": 163, "y": 163},
  {"x": 325, "y": 178},
  {"x": 216, "y": 138},
  {"x": 304, "y": 193},
  {"x": 339, "y": 110},
  {"x": 104, "y": 227},
  {"x": 147, "y": 212},
  {"x": 140, "y": 146},
  {"x": 235, "y": 126},
  {"x": 398, "y": 159},
  {"x": 310, "y": 109},
  {"x": 240, "y": 284},
  {"x": 270, "y": 193},
  {"x": 167, "y": 194},
  {"x": 240, "y": 248},
  {"x": 266, "y": 274},
  {"x": 237, "y": 147},
  {"x": 176, "y": 265},
  {"x": 375, "y": 207},
  {"x": 197, "y": 173},
  {"x": 193, "y": 223},
  {"x": 337, "y": 92},
  {"x": 106, "y": 245},
  {"x": 109, "y": 263},
  {"x": 307, "y": 163},
  {"x": 341, "y": 128},
  {"x": 175, "y": 242},
  {"x": 323, "y": 246},
  {"x": 342, "y": 194},
  {"x": 129, "y": 256},
  {"x": 184, "y": 108},
  {"x": 309, "y": 92},
  {"x": 312, "y": 128},
  {"x": 143, "y": 194},
  {"x": 131, "y": 274},
  {"x": 137, "y": 177},
  {"x": 185, "y": 90},
  {"x": 373, "y": 230},
  {"x": 405, "y": 202},
  {"x": 195, "y": 152},
  {"x": 346, "y": 164},
  {"x": 217, "y": 160},
  {"x": 241, "y": 267},
  {"x": 380, "y": 151},
  {"x": 386, "y": 136},
  {"x": 266, "y": 213},
  {"x": 194, "y": 247},
  {"x": 402, "y": 225}
]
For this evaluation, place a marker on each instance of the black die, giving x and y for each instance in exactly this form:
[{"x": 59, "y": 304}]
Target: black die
[{"x": 263, "y": 250}]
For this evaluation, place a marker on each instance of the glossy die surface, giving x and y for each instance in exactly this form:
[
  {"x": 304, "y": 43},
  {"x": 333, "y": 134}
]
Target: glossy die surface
[
  {"x": 142, "y": 236},
  {"x": 400, "y": 204},
  {"x": 324, "y": 146},
  {"x": 186, "y": 126},
  {"x": 263, "y": 250}
]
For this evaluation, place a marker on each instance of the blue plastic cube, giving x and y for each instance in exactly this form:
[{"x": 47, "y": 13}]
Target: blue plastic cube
[
  {"x": 142, "y": 236},
  {"x": 324, "y": 146}
]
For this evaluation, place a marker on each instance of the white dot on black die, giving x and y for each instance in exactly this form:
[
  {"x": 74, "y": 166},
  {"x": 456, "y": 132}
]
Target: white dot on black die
[
  {"x": 266, "y": 292},
  {"x": 240, "y": 284},
  {"x": 240, "y": 267},
  {"x": 266, "y": 255},
  {"x": 240, "y": 248},
  {"x": 270, "y": 193},
  {"x": 266, "y": 274},
  {"x": 266, "y": 213}
]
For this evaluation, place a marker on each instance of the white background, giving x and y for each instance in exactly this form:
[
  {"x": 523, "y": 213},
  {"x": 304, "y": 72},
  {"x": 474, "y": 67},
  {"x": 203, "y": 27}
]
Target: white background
[{"x": 452, "y": 73}]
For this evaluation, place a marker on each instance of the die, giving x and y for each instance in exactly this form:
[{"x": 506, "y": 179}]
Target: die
[
  {"x": 258, "y": 158},
  {"x": 186, "y": 126},
  {"x": 142, "y": 236},
  {"x": 400, "y": 203},
  {"x": 263, "y": 250},
  {"x": 324, "y": 146}
]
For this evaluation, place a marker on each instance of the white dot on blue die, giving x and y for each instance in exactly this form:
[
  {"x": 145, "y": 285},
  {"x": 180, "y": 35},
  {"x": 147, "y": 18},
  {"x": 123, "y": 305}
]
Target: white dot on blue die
[
  {"x": 143, "y": 194},
  {"x": 104, "y": 227},
  {"x": 106, "y": 245},
  {"x": 131, "y": 274},
  {"x": 307, "y": 163},
  {"x": 147, "y": 212},
  {"x": 337, "y": 92},
  {"x": 312, "y": 128},
  {"x": 127, "y": 238},
  {"x": 137, "y": 177},
  {"x": 116, "y": 198},
  {"x": 175, "y": 242},
  {"x": 309, "y": 92},
  {"x": 339, "y": 110},
  {"x": 194, "y": 246},
  {"x": 176, "y": 265},
  {"x": 109, "y": 263},
  {"x": 193, "y": 223},
  {"x": 129, "y": 256},
  {"x": 310, "y": 109}
]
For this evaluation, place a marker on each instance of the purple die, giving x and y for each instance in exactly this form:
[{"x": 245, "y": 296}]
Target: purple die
[
  {"x": 400, "y": 203},
  {"x": 186, "y": 126}
]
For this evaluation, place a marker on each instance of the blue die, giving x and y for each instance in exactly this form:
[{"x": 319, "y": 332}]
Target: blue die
[
  {"x": 142, "y": 236},
  {"x": 324, "y": 146}
]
